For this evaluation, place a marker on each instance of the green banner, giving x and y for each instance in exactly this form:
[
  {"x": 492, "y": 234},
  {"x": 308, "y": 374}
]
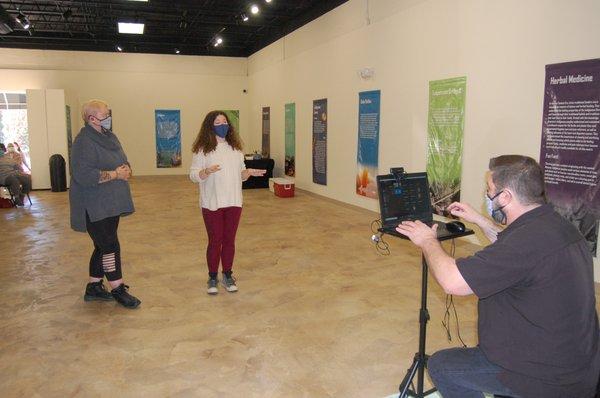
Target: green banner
[
  {"x": 234, "y": 119},
  {"x": 445, "y": 126},
  {"x": 290, "y": 140}
]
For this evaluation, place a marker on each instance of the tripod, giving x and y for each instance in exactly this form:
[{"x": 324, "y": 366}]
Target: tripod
[{"x": 420, "y": 360}]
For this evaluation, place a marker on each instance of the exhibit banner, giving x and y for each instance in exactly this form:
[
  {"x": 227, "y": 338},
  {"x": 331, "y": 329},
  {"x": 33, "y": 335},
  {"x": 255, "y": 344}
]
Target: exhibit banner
[
  {"x": 445, "y": 127},
  {"x": 234, "y": 119},
  {"x": 569, "y": 152},
  {"x": 266, "y": 132},
  {"x": 319, "y": 141},
  {"x": 368, "y": 143},
  {"x": 290, "y": 140},
  {"x": 69, "y": 134},
  {"x": 168, "y": 138}
]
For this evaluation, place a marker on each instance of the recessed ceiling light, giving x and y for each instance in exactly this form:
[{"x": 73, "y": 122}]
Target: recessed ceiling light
[
  {"x": 267, "y": 1},
  {"x": 254, "y": 8},
  {"x": 131, "y": 28},
  {"x": 139, "y": 0}
]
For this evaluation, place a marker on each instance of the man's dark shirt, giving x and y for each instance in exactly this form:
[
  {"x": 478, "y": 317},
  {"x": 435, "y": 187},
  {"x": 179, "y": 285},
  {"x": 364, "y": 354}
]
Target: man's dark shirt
[{"x": 537, "y": 314}]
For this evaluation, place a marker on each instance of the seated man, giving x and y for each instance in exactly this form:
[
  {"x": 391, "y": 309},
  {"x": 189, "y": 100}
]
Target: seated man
[
  {"x": 538, "y": 327},
  {"x": 11, "y": 175}
]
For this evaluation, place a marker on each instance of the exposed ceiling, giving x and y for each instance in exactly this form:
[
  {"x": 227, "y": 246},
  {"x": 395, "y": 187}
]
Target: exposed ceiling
[{"x": 191, "y": 26}]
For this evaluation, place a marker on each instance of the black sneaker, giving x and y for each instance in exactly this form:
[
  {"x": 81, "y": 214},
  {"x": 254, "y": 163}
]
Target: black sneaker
[
  {"x": 229, "y": 283},
  {"x": 95, "y": 291},
  {"x": 124, "y": 298},
  {"x": 211, "y": 286}
]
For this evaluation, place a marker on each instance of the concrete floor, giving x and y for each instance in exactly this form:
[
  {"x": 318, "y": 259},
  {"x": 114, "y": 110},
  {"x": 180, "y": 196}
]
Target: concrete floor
[{"x": 319, "y": 313}]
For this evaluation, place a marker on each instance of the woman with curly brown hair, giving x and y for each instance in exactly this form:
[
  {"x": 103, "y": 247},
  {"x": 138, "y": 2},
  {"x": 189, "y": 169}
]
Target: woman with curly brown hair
[{"x": 218, "y": 167}]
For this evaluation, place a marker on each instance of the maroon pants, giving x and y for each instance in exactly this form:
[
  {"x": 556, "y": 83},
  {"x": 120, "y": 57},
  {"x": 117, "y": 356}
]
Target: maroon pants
[{"x": 221, "y": 226}]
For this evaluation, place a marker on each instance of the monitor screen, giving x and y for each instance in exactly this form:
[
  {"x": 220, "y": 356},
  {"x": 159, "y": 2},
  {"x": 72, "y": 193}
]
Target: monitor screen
[{"x": 407, "y": 199}]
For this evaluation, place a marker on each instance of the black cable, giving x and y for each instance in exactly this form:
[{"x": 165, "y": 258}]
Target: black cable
[
  {"x": 451, "y": 307},
  {"x": 378, "y": 223},
  {"x": 381, "y": 245}
]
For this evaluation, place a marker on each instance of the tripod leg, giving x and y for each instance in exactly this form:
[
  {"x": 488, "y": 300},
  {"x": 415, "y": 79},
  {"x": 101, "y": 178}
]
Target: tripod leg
[{"x": 410, "y": 374}]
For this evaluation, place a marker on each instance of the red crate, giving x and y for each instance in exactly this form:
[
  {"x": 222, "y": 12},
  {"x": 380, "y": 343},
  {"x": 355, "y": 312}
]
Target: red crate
[{"x": 283, "y": 189}]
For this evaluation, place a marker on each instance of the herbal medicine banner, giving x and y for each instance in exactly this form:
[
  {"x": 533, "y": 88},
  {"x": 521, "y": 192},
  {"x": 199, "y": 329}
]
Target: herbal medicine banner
[
  {"x": 290, "y": 140},
  {"x": 445, "y": 127},
  {"x": 266, "y": 131},
  {"x": 569, "y": 152},
  {"x": 368, "y": 143},
  {"x": 168, "y": 138},
  {"x": 319, "y": 141}
]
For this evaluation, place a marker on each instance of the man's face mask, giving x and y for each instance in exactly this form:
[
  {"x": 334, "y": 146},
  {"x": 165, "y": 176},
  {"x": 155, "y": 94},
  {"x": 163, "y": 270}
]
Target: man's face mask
[
  {"x": 221, "y": 130},
  {"x": 105, "y": 123},
  {"x": 497, "y": 214}
]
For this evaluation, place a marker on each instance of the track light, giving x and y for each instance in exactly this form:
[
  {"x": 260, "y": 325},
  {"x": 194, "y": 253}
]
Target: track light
[
  {"x": 218, "y": 41},
  {"x": 119, "y": 48},
  {"x": 23, "y": 21},
  {"x": 254, "y": 9},
  {"x": 244, "y": 17},
  {"x": 177, "y": 51}
]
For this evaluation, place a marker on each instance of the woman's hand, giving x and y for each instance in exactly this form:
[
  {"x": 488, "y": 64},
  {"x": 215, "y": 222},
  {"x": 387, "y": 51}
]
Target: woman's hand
[
  {"x": 256, "y": 172},
  {"x": 123, "y": 172},
  {"x": 204, "y": 173},
  {"x": 212, "y": 169}
]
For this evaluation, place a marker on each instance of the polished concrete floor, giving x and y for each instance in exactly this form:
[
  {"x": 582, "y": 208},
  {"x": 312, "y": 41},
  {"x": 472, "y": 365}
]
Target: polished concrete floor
[{"x": 319, "y": 313}]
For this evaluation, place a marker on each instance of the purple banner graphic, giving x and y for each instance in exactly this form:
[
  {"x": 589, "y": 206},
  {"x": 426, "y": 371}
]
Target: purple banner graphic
[
  {"x": 266, "y": 132},
  {"x": 569, "y": 155},
  {"x": 319, "y": 142}
]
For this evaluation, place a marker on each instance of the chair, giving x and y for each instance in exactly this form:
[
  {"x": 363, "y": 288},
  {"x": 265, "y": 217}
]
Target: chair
[{"x": 12, "y": 197}]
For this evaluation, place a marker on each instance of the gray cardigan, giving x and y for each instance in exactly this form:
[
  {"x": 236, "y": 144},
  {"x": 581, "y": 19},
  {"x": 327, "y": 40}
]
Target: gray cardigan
[
  {"x": 8, "y": 168},
  {"x": 93, "y": 152}
]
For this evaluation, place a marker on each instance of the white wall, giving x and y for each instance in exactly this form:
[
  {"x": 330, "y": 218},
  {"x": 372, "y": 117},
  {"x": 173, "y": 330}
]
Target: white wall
[
  {"x": 46, "y": 119},
  {"x": 37, "y": 126},
  {"x": 501, "y": 47},
  {"x": 135, "y": 85}
]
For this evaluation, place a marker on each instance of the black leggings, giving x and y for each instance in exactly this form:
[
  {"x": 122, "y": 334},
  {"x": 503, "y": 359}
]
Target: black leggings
[{"x": 106, "y": 258}]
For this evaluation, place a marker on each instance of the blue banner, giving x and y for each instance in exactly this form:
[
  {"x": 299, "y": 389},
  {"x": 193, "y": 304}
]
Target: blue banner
[
  {"x": 319, "y": 142},
  {"x": 168, "y": 138},
  {"x": 368, "y": 143}
]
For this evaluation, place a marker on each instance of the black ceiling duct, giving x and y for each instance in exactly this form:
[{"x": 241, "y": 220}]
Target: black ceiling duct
[{"x": 5, "y": 22}]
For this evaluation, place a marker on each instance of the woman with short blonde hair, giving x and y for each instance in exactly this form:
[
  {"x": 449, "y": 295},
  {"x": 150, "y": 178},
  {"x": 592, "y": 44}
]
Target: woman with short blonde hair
[{"x": 99, "y": 196}]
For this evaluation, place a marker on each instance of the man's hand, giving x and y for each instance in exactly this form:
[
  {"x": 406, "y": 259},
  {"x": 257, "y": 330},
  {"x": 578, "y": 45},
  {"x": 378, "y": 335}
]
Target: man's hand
[
  {"x": 418, "y": 232},
  {"x": 465, "y": 212}
]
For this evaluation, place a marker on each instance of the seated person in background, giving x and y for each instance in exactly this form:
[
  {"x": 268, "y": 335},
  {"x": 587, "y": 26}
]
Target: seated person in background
[
  {"x": 538, "y": 327},
  {"x": 13, "y": 150},
  {"x": 2, "y": 149},
  {"x": 11, "y": 175}
]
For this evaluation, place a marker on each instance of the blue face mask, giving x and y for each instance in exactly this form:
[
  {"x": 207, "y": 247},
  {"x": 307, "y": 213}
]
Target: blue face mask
[
  {"x": 497, "y": 214},
  {"x": 221, "y": 130},
  {"x": 106, "y": 123}
]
